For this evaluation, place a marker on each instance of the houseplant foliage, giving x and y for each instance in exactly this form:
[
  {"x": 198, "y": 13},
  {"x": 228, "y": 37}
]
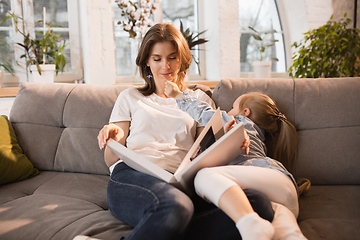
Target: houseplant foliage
[
  {"x": 136, "y": 16},
  {"x": 261, "y": 37},
  {"x": 192, "y": 40},
  {"x": 3, "y": 62},
  {"x": 48, "y": 47},
  {"x": 330, "y": 51}
]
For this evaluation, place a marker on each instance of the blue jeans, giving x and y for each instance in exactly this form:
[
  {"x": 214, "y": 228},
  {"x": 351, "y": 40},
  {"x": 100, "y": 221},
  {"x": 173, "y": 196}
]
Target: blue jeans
[{"x": 158, "y": 210}]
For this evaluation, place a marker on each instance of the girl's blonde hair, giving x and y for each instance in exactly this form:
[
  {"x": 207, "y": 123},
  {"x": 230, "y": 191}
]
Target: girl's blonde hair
[
  {"x": 283, "y": 147},
  {"x": 162, "y": 32}
]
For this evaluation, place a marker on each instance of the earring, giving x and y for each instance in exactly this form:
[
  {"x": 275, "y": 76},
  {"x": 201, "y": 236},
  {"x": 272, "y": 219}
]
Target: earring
[{"x": 150, "y": 73}]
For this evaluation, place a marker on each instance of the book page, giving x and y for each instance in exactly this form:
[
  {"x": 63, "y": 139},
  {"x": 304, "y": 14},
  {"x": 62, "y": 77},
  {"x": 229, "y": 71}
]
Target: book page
[{"x": 216, "y": 124}]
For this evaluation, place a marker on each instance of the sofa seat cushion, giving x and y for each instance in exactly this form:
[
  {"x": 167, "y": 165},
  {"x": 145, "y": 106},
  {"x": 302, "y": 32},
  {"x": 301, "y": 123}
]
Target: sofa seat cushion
[
  {"x": 56, "y": 205},
  {"x": 330, "y": 212}
]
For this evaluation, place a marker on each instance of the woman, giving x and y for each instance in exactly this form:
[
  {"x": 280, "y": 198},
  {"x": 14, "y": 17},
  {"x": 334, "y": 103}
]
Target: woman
[{"x": 152, "y": 125}]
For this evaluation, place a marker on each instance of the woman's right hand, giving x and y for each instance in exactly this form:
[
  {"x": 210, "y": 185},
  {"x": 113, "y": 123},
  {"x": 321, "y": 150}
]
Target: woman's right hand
[{"x": 110, "y": 131}]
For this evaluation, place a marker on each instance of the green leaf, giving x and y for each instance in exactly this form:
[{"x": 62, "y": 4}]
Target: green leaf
[{"x": 257, "y": 37}]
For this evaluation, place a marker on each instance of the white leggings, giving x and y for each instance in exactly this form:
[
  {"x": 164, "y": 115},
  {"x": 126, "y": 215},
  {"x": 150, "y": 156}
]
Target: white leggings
[{"x": 211, "y": 183}]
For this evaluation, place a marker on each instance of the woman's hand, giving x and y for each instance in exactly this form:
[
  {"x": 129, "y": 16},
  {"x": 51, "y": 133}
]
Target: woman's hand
[
  {"x": 118, "y": 131},
  {"x": 109, "y": 131},
  {"x": 172, "y": 90},
  {"x": 245, "y": 146}
]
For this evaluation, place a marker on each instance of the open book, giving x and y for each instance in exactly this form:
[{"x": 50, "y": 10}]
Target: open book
[{"x": 211, "y": 148}]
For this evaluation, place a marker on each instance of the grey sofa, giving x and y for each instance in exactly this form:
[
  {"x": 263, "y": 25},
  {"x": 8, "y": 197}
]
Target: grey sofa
[{"x": 57, "y": 124}]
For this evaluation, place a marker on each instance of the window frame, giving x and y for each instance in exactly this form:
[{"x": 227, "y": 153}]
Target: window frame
[{"x": 284, "y": 46}]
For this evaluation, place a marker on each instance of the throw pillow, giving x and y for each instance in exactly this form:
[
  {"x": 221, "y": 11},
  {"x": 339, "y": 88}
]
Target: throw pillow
[{"x": 14, "y": 165}]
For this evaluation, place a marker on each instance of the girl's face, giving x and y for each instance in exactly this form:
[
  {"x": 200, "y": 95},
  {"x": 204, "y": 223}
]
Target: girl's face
[
  {"x": 236, "y": 108},
  {"x": 164, "y": 63}
]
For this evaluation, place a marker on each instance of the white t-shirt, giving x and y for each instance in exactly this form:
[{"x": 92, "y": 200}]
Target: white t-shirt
[{"x": 159, "y": 130}]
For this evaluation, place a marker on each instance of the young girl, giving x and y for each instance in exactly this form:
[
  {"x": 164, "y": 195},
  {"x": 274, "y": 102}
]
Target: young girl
[
  {"x": 224, "y": 185},
  {"x": 152, "y": 125}
]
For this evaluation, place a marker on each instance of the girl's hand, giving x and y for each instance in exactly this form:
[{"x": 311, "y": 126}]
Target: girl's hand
[
  {"x": 229, "y": 125},
  {"x": 108, "y": 131},
  {"x": 245, "y": 146},
  {"x": 172, "y": 90},
  {"x": 246, "y": 143}
]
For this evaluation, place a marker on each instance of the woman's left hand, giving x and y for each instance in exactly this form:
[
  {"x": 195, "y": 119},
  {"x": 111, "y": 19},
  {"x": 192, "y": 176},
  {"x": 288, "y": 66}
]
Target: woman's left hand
[{"x": 172, "y": 90}]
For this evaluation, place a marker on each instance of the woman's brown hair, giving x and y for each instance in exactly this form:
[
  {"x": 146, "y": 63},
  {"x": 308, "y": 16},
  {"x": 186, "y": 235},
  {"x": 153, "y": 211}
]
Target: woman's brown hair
[
  {"x": 162, "y": 32},
  {"x": 283, "y": 147}
]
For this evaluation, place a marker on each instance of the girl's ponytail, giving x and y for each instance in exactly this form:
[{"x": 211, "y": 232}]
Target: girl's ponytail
[
  {"x": 285, "y": 150},
  {"x": 283, "y": 145}
]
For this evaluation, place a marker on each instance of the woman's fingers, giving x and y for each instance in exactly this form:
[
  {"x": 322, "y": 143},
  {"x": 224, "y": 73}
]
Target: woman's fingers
[
  {"x": 171, "y": 89},
  {"x": 103, "y": 136}
]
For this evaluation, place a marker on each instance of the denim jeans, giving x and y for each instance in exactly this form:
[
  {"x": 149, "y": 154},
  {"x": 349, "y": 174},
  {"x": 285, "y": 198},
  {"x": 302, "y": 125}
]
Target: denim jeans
[{"x": 157, "y": 210}]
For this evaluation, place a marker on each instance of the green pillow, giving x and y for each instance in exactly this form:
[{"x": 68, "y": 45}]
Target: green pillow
[{"x": 14, "y": 165}]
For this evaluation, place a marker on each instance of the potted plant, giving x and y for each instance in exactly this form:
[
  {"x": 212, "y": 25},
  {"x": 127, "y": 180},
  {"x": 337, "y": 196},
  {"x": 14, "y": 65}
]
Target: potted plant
[
  {"x": 262, "y": 68},
  {"x": 332, "y": 50},
  {"x": 44, "y": 54},
  {"x": 3, "y": 62},
  {"x": 192, "y": 41}
]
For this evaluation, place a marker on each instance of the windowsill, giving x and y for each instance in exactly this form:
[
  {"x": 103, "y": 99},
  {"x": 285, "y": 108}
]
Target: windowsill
[
  {"x": 9, "y": 92},
  {"x": 12, "y": 91}
]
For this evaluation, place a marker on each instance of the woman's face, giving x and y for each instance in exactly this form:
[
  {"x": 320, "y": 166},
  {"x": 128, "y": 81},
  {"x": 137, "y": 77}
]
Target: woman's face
[{"x": 164, "y": 63}]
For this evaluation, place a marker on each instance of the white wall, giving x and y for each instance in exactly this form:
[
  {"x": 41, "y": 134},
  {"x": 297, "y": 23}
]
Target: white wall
[
  {"x": 223, "y": 50},
  {"x": 97, "y": 41},
  {"x": 5, "y": 105}
]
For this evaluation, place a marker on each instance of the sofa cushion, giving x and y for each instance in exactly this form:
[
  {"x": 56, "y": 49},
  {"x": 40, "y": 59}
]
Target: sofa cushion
[
  {"x": 330, "y": 212},
  {"x": 14, "y": 165},
  {"x": 57, "y": 124},
  {"x": 57, "y": 205},
  {"x": 280, "y": 90},
  {"x": 328, "y": 124}
]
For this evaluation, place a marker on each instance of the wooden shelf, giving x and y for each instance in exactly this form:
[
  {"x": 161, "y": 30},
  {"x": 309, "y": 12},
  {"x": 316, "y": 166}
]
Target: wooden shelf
[
  {"x": 12, "y": 92},
  {"x": 8, "y": 92}
]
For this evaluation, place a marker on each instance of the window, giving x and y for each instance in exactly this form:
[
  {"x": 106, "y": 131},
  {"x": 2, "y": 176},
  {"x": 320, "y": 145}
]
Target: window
[
  {"x": 263, "y": 16},
  {"x": 58, "y": 12},
  {"x": 126, "y": 48},
  {"x": 6, "y": 37}
]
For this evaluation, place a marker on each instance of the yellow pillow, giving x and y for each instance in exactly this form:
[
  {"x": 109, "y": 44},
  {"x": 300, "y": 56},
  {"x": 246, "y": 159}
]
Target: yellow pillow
[{"x": 14, "y": 165}]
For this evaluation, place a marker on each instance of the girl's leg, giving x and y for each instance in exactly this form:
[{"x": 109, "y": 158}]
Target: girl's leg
[
  {"x": 285, "y": 224},
  {"x": 211, "y": 183},
  {"x": 236, "y": 205},
  {"x": 223, "y": 186},
  {"x": 154, "y": 208}
]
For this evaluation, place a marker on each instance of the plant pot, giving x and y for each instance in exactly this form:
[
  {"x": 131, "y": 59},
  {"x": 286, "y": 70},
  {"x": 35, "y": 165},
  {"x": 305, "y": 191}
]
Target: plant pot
[
  {"x": 1, "y": 77},
  {"x": 47, "y": 73},
  {"x": 262, "y": 69}
]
